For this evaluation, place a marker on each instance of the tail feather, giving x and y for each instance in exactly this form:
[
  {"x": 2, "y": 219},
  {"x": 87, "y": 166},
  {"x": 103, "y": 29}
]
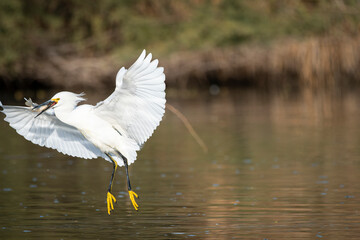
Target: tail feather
[{"x": 126, "y": 148}]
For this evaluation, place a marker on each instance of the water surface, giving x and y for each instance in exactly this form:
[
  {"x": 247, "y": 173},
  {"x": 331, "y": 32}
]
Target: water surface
[{"x": 279, "y": 166}]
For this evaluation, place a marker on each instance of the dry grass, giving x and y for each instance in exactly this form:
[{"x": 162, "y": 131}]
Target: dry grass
[
  {"x": 314, "y": 62},
  {"x": 318, "y": 62}
]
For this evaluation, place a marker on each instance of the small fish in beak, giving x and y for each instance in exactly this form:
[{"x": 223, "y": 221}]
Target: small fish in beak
[{"x": 45, "y": 106}]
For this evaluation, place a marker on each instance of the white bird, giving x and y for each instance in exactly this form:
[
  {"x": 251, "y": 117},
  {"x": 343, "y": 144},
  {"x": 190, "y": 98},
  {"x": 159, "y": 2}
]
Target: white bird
[{"x": 114, "y": 129}]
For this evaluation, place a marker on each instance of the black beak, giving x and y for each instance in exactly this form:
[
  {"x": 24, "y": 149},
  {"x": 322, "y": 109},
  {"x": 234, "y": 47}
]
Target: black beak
[{"x": 48, "y": 105}]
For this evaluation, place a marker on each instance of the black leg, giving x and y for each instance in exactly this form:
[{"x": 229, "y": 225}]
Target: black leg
[
  {"x": 110, "y": 198},
  {"x": 132, "y": 194},
  {"x": 113, "y": 173},
  {"x": 127, "y": 172}
]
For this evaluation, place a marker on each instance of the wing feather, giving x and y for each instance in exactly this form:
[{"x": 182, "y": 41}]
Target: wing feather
[
  {"x": 149, "y": 70},
  {"x": 46, "y": 130},
  {"x": 137, "y": 105}
]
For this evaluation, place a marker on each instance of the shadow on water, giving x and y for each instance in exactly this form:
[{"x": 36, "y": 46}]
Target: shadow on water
[{"x": 279, "y": 166}]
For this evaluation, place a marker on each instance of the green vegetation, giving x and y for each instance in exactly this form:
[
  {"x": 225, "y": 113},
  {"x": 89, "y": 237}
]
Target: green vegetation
[{"x": 37, "y": 29}]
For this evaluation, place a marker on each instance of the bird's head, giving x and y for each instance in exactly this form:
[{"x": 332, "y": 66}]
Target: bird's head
[{"x": 61, "y": 99}]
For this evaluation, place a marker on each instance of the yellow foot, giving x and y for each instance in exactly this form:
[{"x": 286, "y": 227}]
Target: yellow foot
[
  {"x": 110, "y": 202},
  {"x": 132, "y": 194}
]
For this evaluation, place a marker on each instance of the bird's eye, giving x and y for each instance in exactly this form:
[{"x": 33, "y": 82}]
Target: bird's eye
[{"x": 55, "y": 99}]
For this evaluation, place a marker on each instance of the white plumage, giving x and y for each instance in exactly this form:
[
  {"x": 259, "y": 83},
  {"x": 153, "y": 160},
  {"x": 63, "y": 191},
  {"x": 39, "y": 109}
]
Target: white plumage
[
  {"x": 114, "y": 129},
  {"x": 137, "y": 105},
  {"x": 134, "y": 110},
  {"x": 47, "y": 130}
]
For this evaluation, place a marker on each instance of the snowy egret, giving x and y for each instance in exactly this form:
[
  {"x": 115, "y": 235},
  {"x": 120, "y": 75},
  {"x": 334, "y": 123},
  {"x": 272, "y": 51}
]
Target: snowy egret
[{"x": 114, "y": 129}]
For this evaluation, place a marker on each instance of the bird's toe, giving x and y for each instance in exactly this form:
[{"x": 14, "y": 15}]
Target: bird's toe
[
  {"x": 132, "y": 196},
  {"x": 110, "y": 199}
]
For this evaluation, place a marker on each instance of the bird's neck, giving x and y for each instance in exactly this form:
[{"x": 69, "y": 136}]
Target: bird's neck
[{"x": 64, "y": 113}]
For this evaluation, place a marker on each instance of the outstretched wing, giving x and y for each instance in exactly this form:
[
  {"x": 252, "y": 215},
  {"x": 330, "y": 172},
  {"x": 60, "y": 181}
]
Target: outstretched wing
[
  {"x": 137, "y": 105},
  {"x": 46, "y": 130}
]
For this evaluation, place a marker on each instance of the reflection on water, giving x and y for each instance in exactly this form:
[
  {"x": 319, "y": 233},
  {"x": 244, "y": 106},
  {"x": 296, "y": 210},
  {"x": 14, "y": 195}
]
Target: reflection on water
[{"x": 279, "y": 166}]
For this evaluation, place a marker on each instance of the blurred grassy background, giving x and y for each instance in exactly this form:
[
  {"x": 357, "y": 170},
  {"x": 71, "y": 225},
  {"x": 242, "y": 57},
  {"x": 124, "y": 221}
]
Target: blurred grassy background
[{"x": 74, "y": 43}]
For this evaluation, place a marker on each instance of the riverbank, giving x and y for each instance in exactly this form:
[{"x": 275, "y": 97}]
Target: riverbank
[
  {"x": 76, "y": 44},
  {"x": 322, "y": 62}
]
